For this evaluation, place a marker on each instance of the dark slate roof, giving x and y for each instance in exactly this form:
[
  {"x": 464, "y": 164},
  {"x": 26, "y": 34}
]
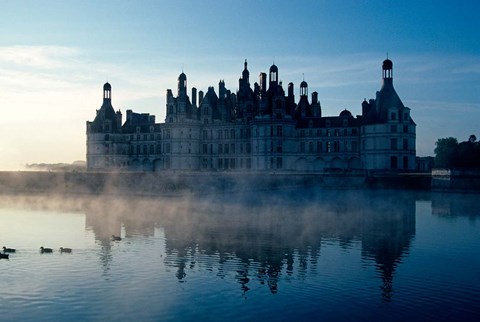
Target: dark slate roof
[
  {"x": 106, "y": 113},
  {"x": 328, "y": 122}
]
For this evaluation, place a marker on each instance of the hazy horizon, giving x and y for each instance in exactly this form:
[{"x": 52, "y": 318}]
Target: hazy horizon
[{"x": 55, "y": 58}]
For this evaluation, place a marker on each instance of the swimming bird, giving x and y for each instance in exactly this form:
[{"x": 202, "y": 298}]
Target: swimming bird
[
  {"x": 4, "y": 256},
  {"x": 65, "y": 250},
  {"x": 8, "y": 250},
  {"x": 45, "y": 250},
  {"x": 116, "y": 238}
]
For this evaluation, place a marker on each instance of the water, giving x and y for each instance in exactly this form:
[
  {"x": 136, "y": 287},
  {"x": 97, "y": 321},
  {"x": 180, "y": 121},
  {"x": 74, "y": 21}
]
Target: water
[{"x": 284, "y": 256}]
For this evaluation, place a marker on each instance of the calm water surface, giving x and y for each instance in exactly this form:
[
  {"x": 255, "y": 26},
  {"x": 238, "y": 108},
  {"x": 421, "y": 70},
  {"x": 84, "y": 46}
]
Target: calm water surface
[{"x": 285, "y": 256}]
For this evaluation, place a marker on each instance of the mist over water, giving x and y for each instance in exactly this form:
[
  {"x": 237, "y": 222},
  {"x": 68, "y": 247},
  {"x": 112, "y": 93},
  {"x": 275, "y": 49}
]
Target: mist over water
[{"x": 297, "y": 254}]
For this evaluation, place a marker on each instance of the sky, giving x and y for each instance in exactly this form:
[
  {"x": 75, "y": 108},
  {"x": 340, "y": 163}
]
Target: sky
[{"x": 55, "y": 57}]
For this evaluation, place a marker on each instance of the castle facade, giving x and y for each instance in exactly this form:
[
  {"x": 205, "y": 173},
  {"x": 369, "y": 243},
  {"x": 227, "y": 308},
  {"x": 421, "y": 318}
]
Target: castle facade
[{"x": 255, "y": 129}]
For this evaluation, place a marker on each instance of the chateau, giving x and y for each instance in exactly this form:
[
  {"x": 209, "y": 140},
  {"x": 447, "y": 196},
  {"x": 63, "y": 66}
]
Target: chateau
[{"x": 255, "y": 129}]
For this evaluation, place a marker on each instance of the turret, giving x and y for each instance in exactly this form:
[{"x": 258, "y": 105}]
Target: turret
[
  {"x": 194, "y": 96},
  {"x": 273, "y": 75},
  {"x": 387, "y": 72},
  {"x": 182, "y": 85}
]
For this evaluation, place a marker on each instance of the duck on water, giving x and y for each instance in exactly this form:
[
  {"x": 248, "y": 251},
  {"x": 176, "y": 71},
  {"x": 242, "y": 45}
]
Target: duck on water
[{"x": 45, "y": 250}]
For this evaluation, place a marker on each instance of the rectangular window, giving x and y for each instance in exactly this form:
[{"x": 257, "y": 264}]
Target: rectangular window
[
  {"x": 159, "y": 148},
  {"x": 249, "y": 149},
  {"x": 232, "y": 133},
  {"x": 336, "y": 146},
  {"x": 393, "y": 144},
  {"x": 167, "y": 148},
  {"x": 405, "y": 162},
  {"x": 249, "y": 163},
  {"x": 405, "y": 129},
  {"x": 232, "y": 163},
  {"x": 310, "y": 147},
  {"x": 138, "y": 149},
  {"x": 226, "y": 134},
  {"x": 220, "y": 163},
  {"x": 302, "y": 147},
  {"x": 205, "y": 134},
  {"x": 225, "y": 149},
  {"x": 354, "y": 146},
  {"x": 145, "y": 149},
  {"x": 405, "y": 144},
  {"x": 220, "y": 148},
  {"x": 319, "y": 146},
  {"x": 152, "y": 149},
  {"x": 337, "y": 132},
  {"x": 329, "y": 147},
  {"x": 205, "y": 149},
  {"x": 393, "y": 128},
  {"x": 279, "y": 163},
  {"x": 232, "y": 147},
  {"x": 393, "y": 162},
  {"x": 279, "y": 147},
  {"x": 279, "y": 131},
  {"x": 329, "y": 132}
]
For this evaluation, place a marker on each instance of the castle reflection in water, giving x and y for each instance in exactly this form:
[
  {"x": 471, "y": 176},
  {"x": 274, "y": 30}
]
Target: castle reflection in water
[{"x": 265, "y": 235}]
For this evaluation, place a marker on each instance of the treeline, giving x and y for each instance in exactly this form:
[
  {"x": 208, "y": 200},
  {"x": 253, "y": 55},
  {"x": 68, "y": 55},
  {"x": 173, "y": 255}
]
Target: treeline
[{"x": 451, "y": 154}]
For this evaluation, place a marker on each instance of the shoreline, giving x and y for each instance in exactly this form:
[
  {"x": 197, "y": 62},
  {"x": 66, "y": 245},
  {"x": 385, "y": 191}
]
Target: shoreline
[{"x": 197, "y": 183}]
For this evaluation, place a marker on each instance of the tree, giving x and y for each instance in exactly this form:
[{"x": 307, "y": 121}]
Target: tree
[{"x": 445, "y": 152}]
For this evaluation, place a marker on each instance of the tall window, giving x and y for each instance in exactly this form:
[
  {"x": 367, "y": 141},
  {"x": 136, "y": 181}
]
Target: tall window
[
  {"x": 393, "y": 162},
  {"x": 393, "y": 144},
  {"x": 336, "y": 146},
  {"x": 405, "y": 162},
  {"x": 302, "y": 147}
]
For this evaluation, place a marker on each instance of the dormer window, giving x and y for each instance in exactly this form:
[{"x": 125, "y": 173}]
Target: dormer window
[{"x": 393, "y": 116}]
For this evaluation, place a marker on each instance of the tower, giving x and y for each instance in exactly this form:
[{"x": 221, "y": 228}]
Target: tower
[
  {"x": 273, "y": 75},
  {"x": 182, "y": 85}
]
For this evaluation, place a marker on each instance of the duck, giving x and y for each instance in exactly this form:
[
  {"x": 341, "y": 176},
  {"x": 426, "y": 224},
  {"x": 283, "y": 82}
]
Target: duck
[
  {"x": 4, "y": 256},
  {"x": 116, "y": 238},
  {"x": 65, "y": 250},
  {"x": 45, "y": 250},
  {"x": 9, "y": 250}
]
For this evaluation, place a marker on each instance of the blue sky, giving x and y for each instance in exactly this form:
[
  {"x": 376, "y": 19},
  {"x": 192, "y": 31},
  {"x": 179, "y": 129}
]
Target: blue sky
[{"x": 56, "y": 55}]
